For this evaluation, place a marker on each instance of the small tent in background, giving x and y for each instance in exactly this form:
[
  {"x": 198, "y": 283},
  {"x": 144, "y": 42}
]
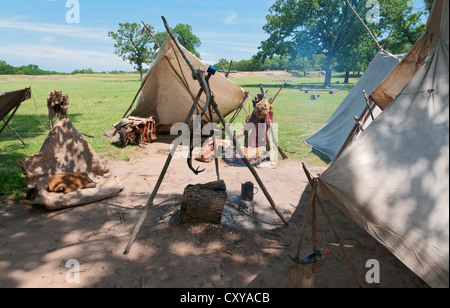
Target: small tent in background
[
  {"x": 330, "y": 138},
  {"x": 394, "y": 179},
  {"x": 169, "y": 89},
  {"x": 11, "y": 101}
]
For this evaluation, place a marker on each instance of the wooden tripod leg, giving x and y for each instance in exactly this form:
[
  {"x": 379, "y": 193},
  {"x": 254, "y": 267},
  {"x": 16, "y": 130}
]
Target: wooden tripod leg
[
  {"x": 341, "y": 244},
  {"x": 313, "y": 183},
  {"x": 210, "y": 100},
  {"x": 248, "y": 164},
  {"x": 15, "y": 133},
  {"x": 216, "y": 159},
  {"x": 160, "y": 179}
]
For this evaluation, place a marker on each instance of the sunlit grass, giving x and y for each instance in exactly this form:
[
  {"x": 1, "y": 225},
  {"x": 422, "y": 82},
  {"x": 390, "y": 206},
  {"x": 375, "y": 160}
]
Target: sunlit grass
[{"x": 99, "y": 101}]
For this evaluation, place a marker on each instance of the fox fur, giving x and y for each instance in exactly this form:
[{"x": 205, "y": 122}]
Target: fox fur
[{"x": 69, "y": 182}]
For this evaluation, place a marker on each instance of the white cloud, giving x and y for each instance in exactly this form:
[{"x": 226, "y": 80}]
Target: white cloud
[
  {"x": 74, "y": 31},
  {"x": 64, "y": 59},
  {"x": 232, "y": 19},
  {"x": 48, "y": 39}
]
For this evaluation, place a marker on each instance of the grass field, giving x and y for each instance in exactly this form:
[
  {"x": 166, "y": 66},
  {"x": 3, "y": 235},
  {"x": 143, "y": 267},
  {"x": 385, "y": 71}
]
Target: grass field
[{"x": 98, "y": 101}]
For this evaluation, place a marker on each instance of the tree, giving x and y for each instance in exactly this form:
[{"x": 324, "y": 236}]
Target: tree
[
  {"x": 183, "y": 33},
  {"x": 6, "y": 69},
  {"x": 328, "y": 27},
  {"x": 406, "y": 32},
  {"x": 133, "y": 46}
]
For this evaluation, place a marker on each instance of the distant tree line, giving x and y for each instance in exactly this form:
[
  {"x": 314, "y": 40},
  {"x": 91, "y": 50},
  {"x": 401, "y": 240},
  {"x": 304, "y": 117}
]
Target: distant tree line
[{"x": 33, "y": 69}]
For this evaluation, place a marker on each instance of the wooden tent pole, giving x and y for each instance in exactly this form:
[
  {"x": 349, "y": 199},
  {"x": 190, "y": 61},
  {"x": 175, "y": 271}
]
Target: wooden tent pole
[
  {"x": 313, "y": 183},
  {"x": 15, "y": 133},
  {"x": 350, "y": 135},
  {"x": 135, "y": 97},
  {"x": 160, "y": 179},
  {"x": 151, "y": 34},
  {"x": 341, "y": 244},
  {"x": 310, "y": 203},
  {"x": 9, "y": 119},
  {"x": 229, "y": 69},
  {"x": 370, "y": 33}
]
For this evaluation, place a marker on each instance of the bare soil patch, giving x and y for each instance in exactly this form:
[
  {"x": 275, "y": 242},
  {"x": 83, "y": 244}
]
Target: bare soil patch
[{"x": 248, "y": 250}]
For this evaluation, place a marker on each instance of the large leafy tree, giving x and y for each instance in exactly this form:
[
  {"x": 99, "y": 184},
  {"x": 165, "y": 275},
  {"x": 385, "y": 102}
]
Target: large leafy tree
[
  {"x": 133, "y": 45},
  {"x": 183, "y": 33},
  {"x": 328, "y": 27}
]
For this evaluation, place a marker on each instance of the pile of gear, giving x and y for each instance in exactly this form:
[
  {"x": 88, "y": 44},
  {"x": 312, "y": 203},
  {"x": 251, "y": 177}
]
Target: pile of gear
[{"x": 136, "y": 130}]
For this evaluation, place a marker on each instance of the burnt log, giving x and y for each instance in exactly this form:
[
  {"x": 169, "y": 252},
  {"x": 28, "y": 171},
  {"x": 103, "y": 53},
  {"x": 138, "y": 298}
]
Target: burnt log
[{"x": 203, "y": 203}]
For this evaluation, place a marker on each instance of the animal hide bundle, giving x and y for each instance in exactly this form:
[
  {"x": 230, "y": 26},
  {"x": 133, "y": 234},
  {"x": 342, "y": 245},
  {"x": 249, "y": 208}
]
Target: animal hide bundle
[{"x": 69, "y": 182}]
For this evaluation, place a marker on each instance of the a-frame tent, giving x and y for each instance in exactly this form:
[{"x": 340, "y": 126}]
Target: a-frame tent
[
  {"x": 168, "y": 89},
  {"x": 394, "y": 179},
  {"x": 11, "y": 101},
  {"x": 330, "y": 138}
]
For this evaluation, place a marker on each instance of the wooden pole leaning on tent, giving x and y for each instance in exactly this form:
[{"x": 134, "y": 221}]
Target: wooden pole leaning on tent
[
  {"x": 146, "y": 77},
  {"x": 362, "y": 118},
  {"x": 314, "y": 190},
  {"x": 365, "y": 26},
  {"x": 151, "y": 34}
]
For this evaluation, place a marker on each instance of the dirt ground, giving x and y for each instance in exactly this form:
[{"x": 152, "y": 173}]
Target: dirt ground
[{"x": 250, "y": 249}]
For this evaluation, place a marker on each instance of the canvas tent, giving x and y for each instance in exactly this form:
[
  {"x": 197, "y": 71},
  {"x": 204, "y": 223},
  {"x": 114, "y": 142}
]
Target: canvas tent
[
  {"x": 169, "y": 89},
  {"x": 330, "y": 138},
  {"x": 11, "y": 101},
  {"x": 394, "y": 179}
]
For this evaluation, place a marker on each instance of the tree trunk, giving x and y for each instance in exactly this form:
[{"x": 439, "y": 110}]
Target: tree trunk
[
  {"x": 347, "y": 76},
  {"x": 328, "y": 70}
]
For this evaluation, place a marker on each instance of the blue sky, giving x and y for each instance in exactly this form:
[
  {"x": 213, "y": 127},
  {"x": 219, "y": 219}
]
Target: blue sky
[{"x": 37, "y": 32}]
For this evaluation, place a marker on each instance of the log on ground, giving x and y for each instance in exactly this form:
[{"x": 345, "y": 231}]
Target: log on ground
[{"x": 203, "y": 203}]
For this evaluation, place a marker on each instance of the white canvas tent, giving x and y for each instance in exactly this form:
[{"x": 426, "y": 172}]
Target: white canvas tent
[
  {"x": 394, "y": 179},
  {"x": 169, "y": 89},
  {"x": 330, "y": 138}
]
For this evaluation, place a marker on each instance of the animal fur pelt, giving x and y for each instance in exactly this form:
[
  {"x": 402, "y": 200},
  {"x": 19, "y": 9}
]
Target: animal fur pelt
[
  {"x": 57, "y": 104},
  {"x": 69, "y": 182}
]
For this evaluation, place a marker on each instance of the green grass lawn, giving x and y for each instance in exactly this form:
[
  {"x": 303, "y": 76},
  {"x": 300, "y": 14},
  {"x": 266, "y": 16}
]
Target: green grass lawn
[{"x": 98, "y": 101}]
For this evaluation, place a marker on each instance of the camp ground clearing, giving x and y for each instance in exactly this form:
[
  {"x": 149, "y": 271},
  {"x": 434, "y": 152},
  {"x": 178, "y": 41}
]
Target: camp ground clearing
[{"x": 375, "y": 222}]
